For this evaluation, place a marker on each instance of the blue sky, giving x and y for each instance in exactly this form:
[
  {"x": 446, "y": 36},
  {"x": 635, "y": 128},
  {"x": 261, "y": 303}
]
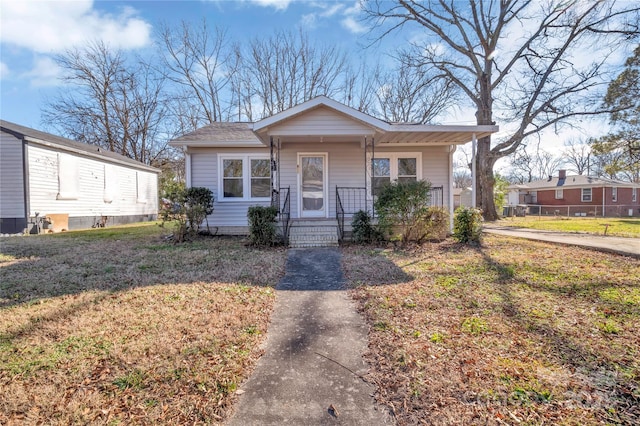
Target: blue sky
[{"x": 31, "y": 32}]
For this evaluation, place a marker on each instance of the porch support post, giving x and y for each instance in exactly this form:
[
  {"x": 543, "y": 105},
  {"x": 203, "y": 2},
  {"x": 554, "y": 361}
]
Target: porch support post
[
  {"x": 373, "y": 155},
  {"x": 365, "y": 172},
  {"x": 474, "y": 142}
]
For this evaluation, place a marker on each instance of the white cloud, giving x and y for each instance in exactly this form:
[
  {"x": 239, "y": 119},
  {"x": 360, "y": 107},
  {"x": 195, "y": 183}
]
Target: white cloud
[
  {"x": 351, "y": 24},
  {"x": 44, "y": 26},
  {"x": 45, "y": 72},
  {"x": 277, "y": 4},
  {"x": 4, "y": 70}
]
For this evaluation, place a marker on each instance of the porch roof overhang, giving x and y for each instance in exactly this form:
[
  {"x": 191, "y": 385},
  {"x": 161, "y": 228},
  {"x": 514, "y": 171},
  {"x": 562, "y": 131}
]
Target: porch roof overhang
[{"x": 370, "y": 128}]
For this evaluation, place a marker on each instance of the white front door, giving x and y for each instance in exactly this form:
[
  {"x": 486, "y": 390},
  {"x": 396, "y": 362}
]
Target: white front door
[{"x": 312, "y": 185}]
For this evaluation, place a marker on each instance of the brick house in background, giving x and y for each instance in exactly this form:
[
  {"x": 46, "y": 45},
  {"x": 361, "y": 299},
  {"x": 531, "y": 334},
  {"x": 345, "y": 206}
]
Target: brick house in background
[{"x": 577, "y": 195}]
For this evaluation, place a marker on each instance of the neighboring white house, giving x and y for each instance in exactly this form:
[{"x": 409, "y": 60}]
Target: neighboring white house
[
  {"x": 317, "y": 160},
  {"x": 79, "y": 184}
]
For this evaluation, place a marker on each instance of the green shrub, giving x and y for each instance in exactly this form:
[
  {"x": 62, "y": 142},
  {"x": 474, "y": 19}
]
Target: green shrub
[
  {"x": 199, "y": 203},
  {"x": 364, "y": 232},
  {"x": 187, "y": 208},
  {"x": 262, "y": 225},
  {"x": 467, "y": 225},
  {"x": 404, "y": 206}
]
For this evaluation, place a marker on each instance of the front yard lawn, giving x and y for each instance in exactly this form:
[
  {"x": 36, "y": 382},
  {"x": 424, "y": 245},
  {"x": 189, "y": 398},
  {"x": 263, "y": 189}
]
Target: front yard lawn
[
  {"x": 117, "y": 326},
  {"x": 619, "y": 227},
  {"x": 513, "y": 332}
]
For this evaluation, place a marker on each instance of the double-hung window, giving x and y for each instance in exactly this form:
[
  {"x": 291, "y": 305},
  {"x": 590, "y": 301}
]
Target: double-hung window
[
  {"x": 586, "y": 195},
  {"x": 614, "y": 194},
  {"x": 559, "y": 194},
  {"x": 390, "y": 167},
  {"x": 244, "y": 177},
  {"x": 634, "y": 194}
]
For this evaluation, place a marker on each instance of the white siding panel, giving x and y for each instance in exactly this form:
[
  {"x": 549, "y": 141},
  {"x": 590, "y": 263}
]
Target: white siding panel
[
  {"x": 11, "y": 177},
  {"x": 43, "y": 187},
  {"x": 321, "y": 121}
]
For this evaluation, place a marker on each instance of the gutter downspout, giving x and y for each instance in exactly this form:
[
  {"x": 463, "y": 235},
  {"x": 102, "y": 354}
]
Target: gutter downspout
[
  {"x": 187, "y": 168},
  {"x": 452, "y": 149},
  {"x": 474, "y": 141}
]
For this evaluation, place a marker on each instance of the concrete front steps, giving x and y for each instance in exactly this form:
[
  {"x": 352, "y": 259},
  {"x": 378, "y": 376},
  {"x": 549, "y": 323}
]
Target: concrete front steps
[{"x": 313, "y": 233}]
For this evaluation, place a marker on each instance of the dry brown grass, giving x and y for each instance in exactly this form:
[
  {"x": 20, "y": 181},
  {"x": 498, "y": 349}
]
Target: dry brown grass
[
  {"x": 514, "y": 332},
  {"x": 119, "y": 327}
]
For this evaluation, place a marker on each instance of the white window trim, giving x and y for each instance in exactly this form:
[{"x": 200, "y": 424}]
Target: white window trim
[
  {"x": 246, "y": 177},
  {"x": 559, "y": 194},
  {"x": 590, "y": 195},
  {"x": 393, "y": 166},
  {"x": 614, "y": 194},
  {"x": 634, "y": 195},
  {"x": 142, "y": 185}
]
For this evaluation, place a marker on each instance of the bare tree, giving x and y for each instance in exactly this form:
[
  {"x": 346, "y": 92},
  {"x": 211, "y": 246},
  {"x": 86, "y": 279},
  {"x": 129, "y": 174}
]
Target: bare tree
[
  {"x": 461, "y": 178},
  {"x": 285, "y": 70},
  {"x": 577, "y": 154},
  {"x": 516, "y": 61},
  {"x": 360, "y": 86},
  {"x": 110, "y": 102},
  {"x": 414, "y": 94},
  {"x": 533, "y": 163},
  {"x": 201, "y": 63}
]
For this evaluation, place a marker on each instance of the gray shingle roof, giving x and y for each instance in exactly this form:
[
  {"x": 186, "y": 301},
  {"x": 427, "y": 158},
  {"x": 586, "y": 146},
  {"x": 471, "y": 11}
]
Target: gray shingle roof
[
  {"x": 23, "y": 132},
  {"x": 221, "y": 132}
]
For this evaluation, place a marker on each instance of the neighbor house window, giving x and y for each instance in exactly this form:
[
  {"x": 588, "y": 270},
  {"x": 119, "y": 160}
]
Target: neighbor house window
[
  {"x": 110, "y": 183},
  {"x": 142, "y": 187},
  {"x": 68, "y": 177},
  {"x": 614, "y": 194},
  {"x": 634, "y": 196},
  {"x": 390, "y": 167},
  {"x": 559, "y": 194},
  {"x": 244, "y": 177},
  {"x": 586, "y": 195}
]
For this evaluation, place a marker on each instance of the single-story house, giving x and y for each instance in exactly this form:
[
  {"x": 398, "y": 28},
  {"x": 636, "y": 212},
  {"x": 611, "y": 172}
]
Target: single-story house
[
  {"x": 76, "y": 185},
  {"x": 319, "y": 163},
  {"x": 577, "y": 195}
]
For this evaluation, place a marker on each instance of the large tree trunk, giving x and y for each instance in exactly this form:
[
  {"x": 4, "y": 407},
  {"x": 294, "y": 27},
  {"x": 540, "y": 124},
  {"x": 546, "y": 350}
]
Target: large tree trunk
[{"x": 484, "y": 179}]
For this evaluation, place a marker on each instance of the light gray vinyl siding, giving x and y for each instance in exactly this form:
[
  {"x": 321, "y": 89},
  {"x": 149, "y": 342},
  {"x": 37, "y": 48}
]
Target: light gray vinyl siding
[
  {"x": 346, "y": 168},
  {"x": 321, "y": 121},
  {"x": 204, "y": 173},
  {"x": 11, "y": 177},
  {"x": 135, "y": 192}
]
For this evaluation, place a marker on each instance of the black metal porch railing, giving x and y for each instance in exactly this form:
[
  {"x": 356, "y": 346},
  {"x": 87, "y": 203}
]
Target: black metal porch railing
[
  {"x": 284, "y": 209},
  {"x": 350, "y": 200}
]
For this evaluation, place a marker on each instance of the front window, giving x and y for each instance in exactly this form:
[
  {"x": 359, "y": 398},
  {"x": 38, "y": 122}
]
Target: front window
[
  {"x": 559, "y": 194},
  {"x": 586, "y": 195},
  {"x": 381, "y": 174},
  {"x": 614, "y": 194},
  {"x": 260, "y": 178},
  {"x": 390, "y": 167},
  {"x": 232, "y": 179},
  {"x": 244, "y": 177}
]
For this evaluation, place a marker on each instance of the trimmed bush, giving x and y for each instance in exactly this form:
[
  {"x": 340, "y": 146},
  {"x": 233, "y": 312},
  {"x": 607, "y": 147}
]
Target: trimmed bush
[
  {"x": 199, "y": 203},
  {"x": 467, "y": 225},
  {"x": 187, "y": 208},
  {"x": 262, "y": 225},
  {"x": 364, "y": 232},
  {"x": 404, "y": 206}
]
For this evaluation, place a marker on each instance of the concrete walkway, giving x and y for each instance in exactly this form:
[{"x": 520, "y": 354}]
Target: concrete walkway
[
  {"x": 311, "y": 371},
  {"x": 626, "y": 246}
]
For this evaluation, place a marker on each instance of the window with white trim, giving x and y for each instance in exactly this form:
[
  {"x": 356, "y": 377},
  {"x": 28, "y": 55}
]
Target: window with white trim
[
  {"x": 142, "y": 187},
  {"x": 559, "y": 194},
  {"x": 634, "y": 194},
  {"x": 244, "y": 177},
  {"x": 390, "y": 167},
  {"x": 614, "y": 194},
  {"x": 68, "y": 177},
  {"x": 586, "y": 195},
  {"x": 110, "y": 183}
]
